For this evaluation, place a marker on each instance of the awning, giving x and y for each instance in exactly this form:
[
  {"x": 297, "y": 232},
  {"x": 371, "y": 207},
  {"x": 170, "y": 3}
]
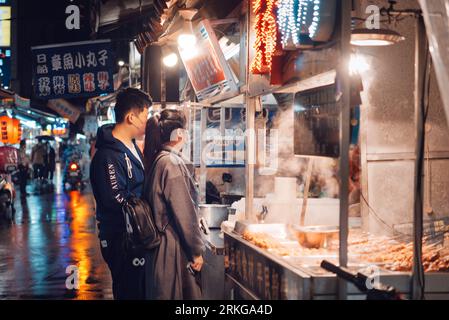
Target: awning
[
  {"x": 117, "y": 13},
  {"x": 6, "y": 94}
]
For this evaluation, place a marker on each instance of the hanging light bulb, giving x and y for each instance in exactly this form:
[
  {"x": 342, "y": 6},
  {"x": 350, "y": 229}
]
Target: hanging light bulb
[
  {"x": 187, "y": 38},
  {"x": 170, "y": 60}
]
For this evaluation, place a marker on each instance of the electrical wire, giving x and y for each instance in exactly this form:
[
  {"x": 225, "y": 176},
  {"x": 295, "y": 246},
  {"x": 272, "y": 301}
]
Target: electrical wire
[
  {"x": 381, "y": 220},
  {"x": 418, "y": 229},
  {"x": 391, "y": 228}
]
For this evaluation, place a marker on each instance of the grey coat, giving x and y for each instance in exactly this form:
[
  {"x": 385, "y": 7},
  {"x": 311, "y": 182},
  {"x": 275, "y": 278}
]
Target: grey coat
[{"x": 173, "y": 196}]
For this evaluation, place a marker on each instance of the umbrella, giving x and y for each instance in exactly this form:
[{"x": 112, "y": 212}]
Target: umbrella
[{"x": 45, "y": 138}]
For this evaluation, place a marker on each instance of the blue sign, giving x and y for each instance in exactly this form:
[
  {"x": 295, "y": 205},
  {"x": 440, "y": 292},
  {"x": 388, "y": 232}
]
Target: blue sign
[
  {"x": 72, "y": 70},
  {"x": 221, "y": 151},
  {"x": 5, "y": 67}
]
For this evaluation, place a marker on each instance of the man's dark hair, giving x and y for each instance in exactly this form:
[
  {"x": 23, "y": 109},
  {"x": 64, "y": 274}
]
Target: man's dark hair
[{"x": 130, "y": 99}]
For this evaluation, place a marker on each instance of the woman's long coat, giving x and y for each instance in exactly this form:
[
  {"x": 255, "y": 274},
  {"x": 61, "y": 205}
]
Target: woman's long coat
[{"x": 173, "y": 194}]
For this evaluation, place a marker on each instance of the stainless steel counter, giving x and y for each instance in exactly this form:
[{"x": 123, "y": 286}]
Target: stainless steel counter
[
  {"x": 255, "y": 273},
  {"x": 213, "y": 272}
]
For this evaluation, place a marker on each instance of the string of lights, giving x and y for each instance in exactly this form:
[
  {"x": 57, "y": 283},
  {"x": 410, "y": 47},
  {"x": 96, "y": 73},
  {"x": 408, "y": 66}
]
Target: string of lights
[
  {"x": 295, "y": 17},
  {"x": 266, "y": 35}
]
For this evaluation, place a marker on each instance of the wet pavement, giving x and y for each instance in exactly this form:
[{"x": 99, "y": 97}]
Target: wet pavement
[{"x": 52, "y": 231}]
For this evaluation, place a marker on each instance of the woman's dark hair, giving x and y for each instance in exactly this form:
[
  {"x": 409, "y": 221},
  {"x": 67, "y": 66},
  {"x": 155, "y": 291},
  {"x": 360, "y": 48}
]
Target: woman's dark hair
[{"x": 158, "y": 132}]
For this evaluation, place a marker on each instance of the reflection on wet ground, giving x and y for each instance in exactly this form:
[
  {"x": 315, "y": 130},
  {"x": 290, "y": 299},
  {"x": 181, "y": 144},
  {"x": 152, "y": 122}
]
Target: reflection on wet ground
[{"x": 51, "y": 232}]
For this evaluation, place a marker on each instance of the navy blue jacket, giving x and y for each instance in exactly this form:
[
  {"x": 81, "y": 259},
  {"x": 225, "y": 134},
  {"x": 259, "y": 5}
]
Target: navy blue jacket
[{"x": 113, "y": 180}]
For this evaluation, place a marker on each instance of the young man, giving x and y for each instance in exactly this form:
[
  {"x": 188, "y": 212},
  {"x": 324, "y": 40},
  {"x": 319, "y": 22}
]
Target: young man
[{"x": 116, "y": 172}]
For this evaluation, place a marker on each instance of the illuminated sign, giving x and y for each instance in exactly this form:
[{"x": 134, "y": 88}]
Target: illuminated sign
[
  {"x": 206, "y": 66},
  {"x": 5, "y": 26},
  {"x": 71, "y": 70},
  {"x": 5, "y": 67}
]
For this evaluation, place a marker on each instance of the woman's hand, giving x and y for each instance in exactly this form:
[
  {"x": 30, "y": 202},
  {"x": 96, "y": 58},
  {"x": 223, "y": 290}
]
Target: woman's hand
[{"x": 197, "y": 263}]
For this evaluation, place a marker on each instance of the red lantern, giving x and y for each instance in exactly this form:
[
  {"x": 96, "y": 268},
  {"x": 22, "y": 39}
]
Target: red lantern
[{"x": 10, "y": 130}]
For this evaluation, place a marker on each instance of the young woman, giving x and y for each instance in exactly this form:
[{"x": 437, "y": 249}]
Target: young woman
[{"x": 172, "y": 194}]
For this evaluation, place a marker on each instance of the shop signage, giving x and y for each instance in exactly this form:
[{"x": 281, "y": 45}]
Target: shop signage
[
  {"x": 5, "y": 67},
  {"x": 220, "y": 150},
  {"x": 73, "y": 70},
  {"x": 21, "y": 102},
  {"x": 206, "y": 66},
  {"x": 5, "y": 25},
  {"x": 90, "y": 125},
  {"x": 65, "y": 109},
  {"x": 5, "y": 44}
]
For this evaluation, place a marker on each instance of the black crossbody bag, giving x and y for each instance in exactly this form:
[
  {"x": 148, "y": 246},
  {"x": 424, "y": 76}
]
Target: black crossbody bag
[{"x": 141, "y": 230}]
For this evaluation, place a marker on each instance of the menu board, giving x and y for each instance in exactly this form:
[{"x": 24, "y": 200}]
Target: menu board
[
  {"x": 206, "y": 66},
  {"x": 317, "y": 123}
]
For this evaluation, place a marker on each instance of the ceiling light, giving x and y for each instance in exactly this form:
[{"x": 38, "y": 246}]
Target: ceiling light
[{"x": 375, "y": 37}]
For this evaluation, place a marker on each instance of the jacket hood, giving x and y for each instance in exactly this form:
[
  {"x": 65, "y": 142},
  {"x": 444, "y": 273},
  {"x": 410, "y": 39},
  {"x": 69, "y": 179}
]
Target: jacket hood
[{"x": 105, "y": 139}]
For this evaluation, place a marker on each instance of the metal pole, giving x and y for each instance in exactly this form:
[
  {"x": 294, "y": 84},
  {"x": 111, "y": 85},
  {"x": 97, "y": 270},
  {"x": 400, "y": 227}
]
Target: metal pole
[
  {"x": 345, "y": 52},
  {"x": 223, "y": 133},
  {"x": 250, "y": 125},
  {"x": 420, "y": 65},
  {"x": 250, "y": 157},
  {"x": 203, "y": 168}
]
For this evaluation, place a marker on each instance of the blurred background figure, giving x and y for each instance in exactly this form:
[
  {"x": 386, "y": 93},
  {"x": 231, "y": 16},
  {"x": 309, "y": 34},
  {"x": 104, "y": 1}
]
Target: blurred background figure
[
  {"x": 38, "y": 159},
  {"x": 24, "y": 164},
  {"x": 51, "y": 164}
]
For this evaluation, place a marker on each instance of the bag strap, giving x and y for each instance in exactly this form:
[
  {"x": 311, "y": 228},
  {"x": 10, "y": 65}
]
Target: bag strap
[{"x": 129, "y": 169}]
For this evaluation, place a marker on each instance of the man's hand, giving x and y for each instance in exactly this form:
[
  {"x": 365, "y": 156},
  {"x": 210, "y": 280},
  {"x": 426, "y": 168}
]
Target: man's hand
[{"x": 197, "y": 263}]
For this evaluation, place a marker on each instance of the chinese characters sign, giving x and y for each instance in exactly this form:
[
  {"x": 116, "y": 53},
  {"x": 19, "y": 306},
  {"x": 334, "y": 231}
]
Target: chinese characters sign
[
  {"x": 73, "y": 70},
  {"x": 5, "y": 67}
]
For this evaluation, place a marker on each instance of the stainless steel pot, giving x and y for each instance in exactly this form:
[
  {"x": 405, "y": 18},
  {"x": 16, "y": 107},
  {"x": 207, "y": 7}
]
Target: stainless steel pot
[{"x": 214, "y": 214}]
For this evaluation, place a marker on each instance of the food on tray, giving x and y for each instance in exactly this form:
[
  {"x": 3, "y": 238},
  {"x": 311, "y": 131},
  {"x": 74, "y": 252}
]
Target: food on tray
[
  {"x": 261, "y": 240},
  {"x": 389, "y": 252},
  {"x": 399, "y": 257}
]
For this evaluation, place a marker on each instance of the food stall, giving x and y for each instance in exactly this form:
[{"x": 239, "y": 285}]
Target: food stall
[
  {"x": 281, "y": 258},
  {"x": 309, "y": 167}
]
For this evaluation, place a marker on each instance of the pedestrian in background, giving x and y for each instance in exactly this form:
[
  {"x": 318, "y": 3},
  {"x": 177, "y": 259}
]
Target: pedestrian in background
[
  {"x": 24, "y": 163},
  {"x": 38, "y": 160},
  {"x": 51, "y": 162}
]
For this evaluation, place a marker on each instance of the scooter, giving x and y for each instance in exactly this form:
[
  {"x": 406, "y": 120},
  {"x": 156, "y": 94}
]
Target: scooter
[
  {"x": 8, "y": 165},
  {"x": 73, "y": 176},
  {"x": 7, "y": 196}
]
